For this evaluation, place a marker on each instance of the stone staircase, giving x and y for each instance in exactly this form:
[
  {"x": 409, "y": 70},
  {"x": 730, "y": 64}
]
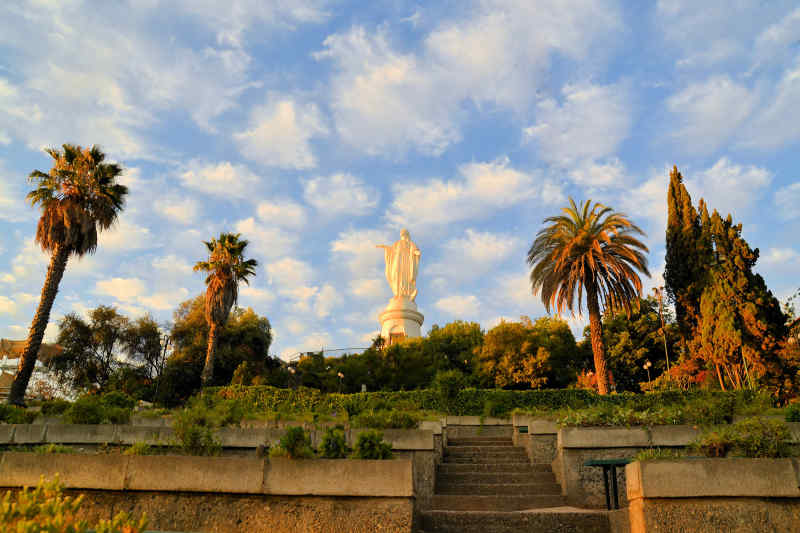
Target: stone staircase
[{"x": 485, "y": 484}]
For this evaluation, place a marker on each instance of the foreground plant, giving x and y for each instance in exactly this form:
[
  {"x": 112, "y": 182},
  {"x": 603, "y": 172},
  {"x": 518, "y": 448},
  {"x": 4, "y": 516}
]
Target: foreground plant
[
  {"x": 79, "y": 198},
  {"x": 46, "y": 509},
  {"x": 590, "y": 249}
]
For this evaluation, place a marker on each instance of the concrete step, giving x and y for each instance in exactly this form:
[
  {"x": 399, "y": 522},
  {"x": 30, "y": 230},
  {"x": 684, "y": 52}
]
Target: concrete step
[
  {"x": 517, "y": 489},
  {"x": 484, "y": 449},
  {"x": 480, "y": 442},
  {"x": 485, "y": 459},
  {"x": 470, "y": 432},
  {"x": 520, "y": 467},
  {"x": 558, "y": 520},
  {"x": 495, "y": 477},
  {"x": 505, "y": 502}
]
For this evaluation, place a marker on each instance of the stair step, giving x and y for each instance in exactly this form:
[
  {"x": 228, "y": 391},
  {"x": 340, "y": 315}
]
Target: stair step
[
  {"x": 495, "y": 477},
  {"x": 520, "y": 467},
  {"x": 518, "y": 489},
  {"x": 558, "y": 520},
  {"x": 484, "y": 449},
  {"x": 484, "y": 459},
  {"x": 480, "y": 442},
  {"x": 505, "y": 502}
]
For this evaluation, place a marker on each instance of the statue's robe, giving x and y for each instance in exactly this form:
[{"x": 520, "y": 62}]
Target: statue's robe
[{"x": 402, "y": 262}]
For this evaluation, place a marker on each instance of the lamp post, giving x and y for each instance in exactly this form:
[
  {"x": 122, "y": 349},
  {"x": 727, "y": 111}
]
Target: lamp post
[
  {"x": 646, "y": 366},
  {"x": 341, "y": 376}
]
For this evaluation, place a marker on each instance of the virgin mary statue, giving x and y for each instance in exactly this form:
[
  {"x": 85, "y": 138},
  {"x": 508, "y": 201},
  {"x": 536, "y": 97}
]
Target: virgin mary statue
[{"x": 402, "y": 264}]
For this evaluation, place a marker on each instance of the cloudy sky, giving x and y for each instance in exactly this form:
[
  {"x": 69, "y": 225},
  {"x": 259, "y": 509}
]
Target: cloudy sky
[{"x": 320, "y": 128}]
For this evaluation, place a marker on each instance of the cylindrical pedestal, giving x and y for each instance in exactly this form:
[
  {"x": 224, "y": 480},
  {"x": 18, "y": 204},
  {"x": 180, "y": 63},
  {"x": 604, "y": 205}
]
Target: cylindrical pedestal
[{"x": 400, "y": 320}]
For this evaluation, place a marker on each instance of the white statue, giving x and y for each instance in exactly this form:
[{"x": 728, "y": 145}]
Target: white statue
[{"x": 402, "y": 264}]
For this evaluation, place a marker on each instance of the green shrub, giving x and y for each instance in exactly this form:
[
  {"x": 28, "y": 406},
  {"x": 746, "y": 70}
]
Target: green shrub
[
  {"x": 46, "y": 508},
  {"x": 370, "y": 445},
  {"x": 140, "y": 448},
  {"x": 53, "y": 448},
  {"x": 657, "y": 454},
  {"x": 447, "y": 385},
  {"x": 793, "y": 412},
  {"x": 55, "y": 407},
  {"x": 295, "y": 444},
  {"x": 85, "y": 410},
  {"x": 11, "y": 414},
  {"x": 334, "y": 443},
  {"x": 195, "y": 430},
  {"x": 386, "y": 420},
  {"x": 118, "y": 399},
  {"x": 752, "y": 437}
]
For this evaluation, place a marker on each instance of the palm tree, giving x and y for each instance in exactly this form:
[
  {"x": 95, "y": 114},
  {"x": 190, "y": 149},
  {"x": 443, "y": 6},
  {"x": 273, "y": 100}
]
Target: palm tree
[
  {"x": 79, "y": 198},
  {"x": 226, "y": 267},
  {"x": 591, "y": 249}
]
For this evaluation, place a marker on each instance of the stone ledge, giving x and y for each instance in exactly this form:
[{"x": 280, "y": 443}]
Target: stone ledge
[
  {"x": 602, "y": 437},
  {"x": 234, "y": 475},
  {"x": 476, "y": 421},
  {"x": 699, "y": 478}
]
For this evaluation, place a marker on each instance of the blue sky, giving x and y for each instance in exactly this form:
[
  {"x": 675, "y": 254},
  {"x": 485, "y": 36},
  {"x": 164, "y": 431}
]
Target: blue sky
[{"x": 319, "y": 128}]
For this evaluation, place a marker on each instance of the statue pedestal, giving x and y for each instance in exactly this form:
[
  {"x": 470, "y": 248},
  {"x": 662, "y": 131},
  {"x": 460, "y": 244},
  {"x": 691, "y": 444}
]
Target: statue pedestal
[{"x": 400, "y": 319}]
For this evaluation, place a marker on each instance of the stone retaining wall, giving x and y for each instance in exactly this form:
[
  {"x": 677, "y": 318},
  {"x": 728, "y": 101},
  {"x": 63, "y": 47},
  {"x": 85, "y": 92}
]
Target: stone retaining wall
[{"x": 711, "y": 495}]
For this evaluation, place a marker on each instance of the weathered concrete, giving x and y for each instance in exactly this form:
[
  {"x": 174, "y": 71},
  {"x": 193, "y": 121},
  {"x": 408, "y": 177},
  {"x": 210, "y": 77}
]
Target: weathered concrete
[
  {"x": 578, "y": 437},
  {"x": 476, "y": 421},
  {"x": 152, "y": 435},
  {"x": 195, "y": 474},
  {"x": 75, "y": 470},
  {"x": 29, "y": 433},
  {"x": 232, "y": 437},
  {"x": 246, "y": 513},
  {"x": 81, "y": 434},
  {"x": 694, "y": 478},
  {"x": 333, "y": 477},
  {"x": 583, "y": 485},
  {"x": 6, "y": 433},
  {"x": 433, "y": 425}
]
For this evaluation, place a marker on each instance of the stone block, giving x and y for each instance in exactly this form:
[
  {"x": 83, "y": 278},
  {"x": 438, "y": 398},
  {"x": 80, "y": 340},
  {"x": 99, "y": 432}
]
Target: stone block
[
  {"x": 335, "y": 477},
  {"x": 231, "y": 437},
  {"x": 432, "y": 425},
  {"x": 698, "y": 478},
  {"x": 6, "y": 433},
  {"x": 81, "y": 434},
  {"x": 476, "y": 421},
  {"x": 542, "y": 427},
  {"x": 76, "y": 471},
  {"x": 580, "y": 437},
  {"x": 673, "y": 435},
  {"x": 152, "y": 435},
  {"x": 234, "y": 475},
  {"x": 29, "y": 433}
]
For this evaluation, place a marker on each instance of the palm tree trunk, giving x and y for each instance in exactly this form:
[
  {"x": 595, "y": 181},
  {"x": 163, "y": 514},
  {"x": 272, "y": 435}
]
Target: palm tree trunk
[
  {"x": 208, "y": 368},
  {"x": 27, "y": 361},
  {"x": 598, "y": 349}
]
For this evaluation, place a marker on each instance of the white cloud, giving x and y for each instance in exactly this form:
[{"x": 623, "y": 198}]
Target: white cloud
[
  {"x": 591, "y": 123},
  {"x": 124, "y": 237},
  {"x": 780, "y": 258},
  {"x": 182, "y": 210},
  {"x": 464, "y": 306},
  {"x": 164, "y": 300},
  {"x": 777, "y": 40},
  {"x": 357, "y": 250},
  {"x": 710, "y": 113},
  {"x": 370, "y": 289},
  {"x": 289, "y": 273},
  {"x": 172, "y": 264},
  {"x": 221, "y": 179},
  {"x": 256, "y": 294},
  {"x": 266, "y": 242},
  {"x": 482, "y": 188},
  {"x": 327, "y": 299},
  {"x": 314, "y": 342},
  {"x": 788, "y": 200},
  {"x": 340, "y": 194},
  {"x": 279, "y": 134},
  {"x": 123, "y": 289},
  {"x": 7, "y": 306},
  {"x": 26, "y": 298},
  {"x": 284, "y": 212},
  {"x": 728, "y": 187},
  {"x": 774, "y": 125},
  {"x": 5, "y": 277},
  {"x": 474, "y": 254},
  {"x": 611, "y": 173}
]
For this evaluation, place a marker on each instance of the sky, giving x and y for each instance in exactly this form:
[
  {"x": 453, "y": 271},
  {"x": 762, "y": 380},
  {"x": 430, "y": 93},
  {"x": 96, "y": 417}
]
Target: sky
[{"x": 318, "y": 129}]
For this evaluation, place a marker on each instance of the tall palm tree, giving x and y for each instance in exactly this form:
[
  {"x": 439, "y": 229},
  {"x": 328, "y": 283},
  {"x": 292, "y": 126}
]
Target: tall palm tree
[
  {"x": 79, "y": 198},
  {"x": 592, "y": 249},
  {"x": 226, "y": 266}
]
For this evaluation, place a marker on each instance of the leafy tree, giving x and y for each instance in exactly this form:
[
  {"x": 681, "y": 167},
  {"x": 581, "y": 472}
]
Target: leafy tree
[
  {"x": 245, "y": 337},
  {"x": 79, "y": 197},
  {"x": 590, "y": 249},
  {"x": 144, "y": 345},
  {"x": 634, "y": 338},
  {"x": 227, "y": 267}
]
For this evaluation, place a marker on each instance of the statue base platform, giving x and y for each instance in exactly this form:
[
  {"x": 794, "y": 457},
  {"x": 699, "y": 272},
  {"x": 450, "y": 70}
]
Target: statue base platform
[{"x": 400, "y": 320}]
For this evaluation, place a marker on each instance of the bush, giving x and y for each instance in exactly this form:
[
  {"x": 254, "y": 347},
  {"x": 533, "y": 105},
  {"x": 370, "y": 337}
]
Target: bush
[
  {"x": 793, "y": 412},
  {"x": 55, "y": 407},
  {"x": 195, "y": 430},
  {"x": 334, "y": 443},
  {"x": 118, "y": 399},
  {"x": 85, "y": 410},
  {"x": 45, "y": 508},
  {"x": 295, "y": 444},
  {"x": 11, "y": 414},
  {"x": 448, "y": 384},
  {"x": 45, "y": 449},
  {"x": 386, "y": 420},
  {"x": 752, "y": 437},
  {"x": 657, "y": 454},
  {"x": 370, "y": 445}
]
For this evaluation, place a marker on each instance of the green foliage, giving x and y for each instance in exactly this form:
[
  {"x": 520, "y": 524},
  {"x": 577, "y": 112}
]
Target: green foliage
[
  {"x": 55, "y": 407},
  {"x": 195, "y": 429},
  {"x": 140, "y": 448},
  {"x": 385, "y": 419},
  {"x": 45, "y": 449},
  {"x": 658, "y": 454},
  {"x": 112, "y": 408},
  {"x": 793, "y": 413},
  {"x": 752, "y": 437},
  {"x": 448, "y": 384},
  {"x": 334, "y": 443},
  {"x": 370, "y": 445},
  {"x": 295, "y": 444},
  {"x": 11, "y": 414},
  {"x": 46, "y": 509}
]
